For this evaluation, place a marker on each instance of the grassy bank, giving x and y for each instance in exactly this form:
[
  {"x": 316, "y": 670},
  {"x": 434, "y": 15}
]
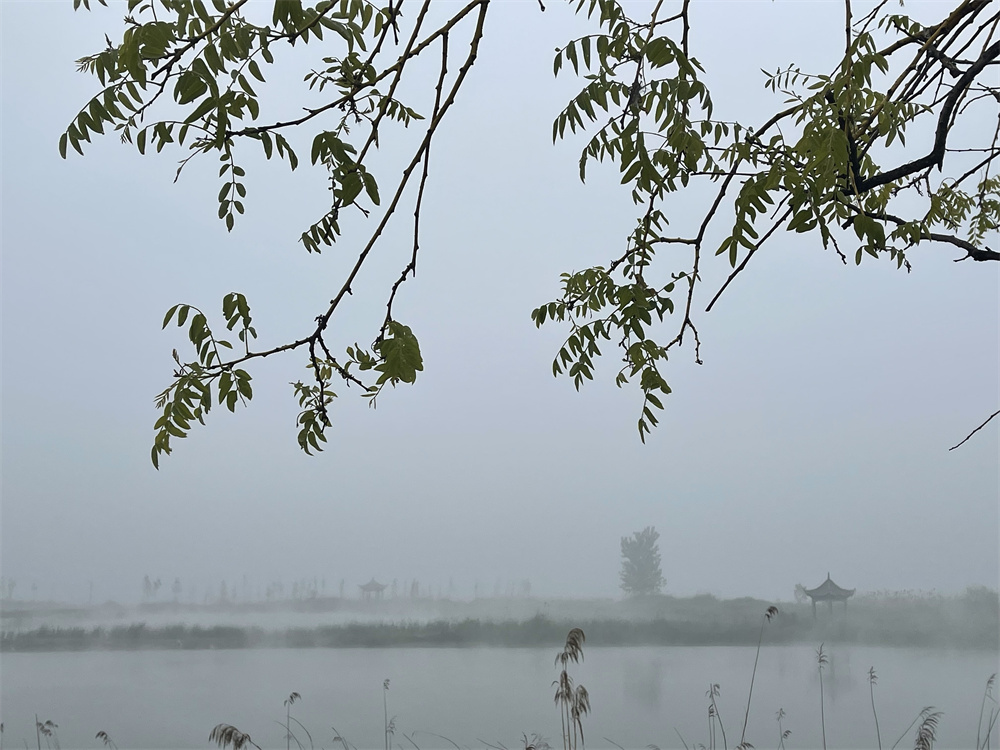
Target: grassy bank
[{"x": 537, "y": 631}]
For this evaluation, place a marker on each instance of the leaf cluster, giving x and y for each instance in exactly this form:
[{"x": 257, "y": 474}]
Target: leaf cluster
[
  {"x": 189, "y": 75},
  {"x": 817, "y": 167}
]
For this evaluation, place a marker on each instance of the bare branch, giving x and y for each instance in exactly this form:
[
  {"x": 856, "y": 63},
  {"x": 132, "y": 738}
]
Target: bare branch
[{"x": 990, "y": 417}]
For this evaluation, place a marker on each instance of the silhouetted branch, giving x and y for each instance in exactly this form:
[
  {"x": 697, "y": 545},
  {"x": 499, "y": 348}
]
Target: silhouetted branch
[{"x": 990, "y": 417}]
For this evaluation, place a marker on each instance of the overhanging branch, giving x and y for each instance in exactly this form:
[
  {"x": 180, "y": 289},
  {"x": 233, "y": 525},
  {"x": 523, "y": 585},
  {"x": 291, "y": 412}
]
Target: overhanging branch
[{"x": 936, "y": 155}]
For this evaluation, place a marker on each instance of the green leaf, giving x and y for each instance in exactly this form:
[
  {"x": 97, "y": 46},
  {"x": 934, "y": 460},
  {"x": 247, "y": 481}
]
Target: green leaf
[
  {"x": 659, "y": 52},
  {"x": 190, "y": 86},
  {"x": 254, "y": 69},
  {"x": 168, "y": 316},
  {"x": 371, "y": 187},
  {"x": 400, "y": 353},
  {"x": 350, "y": 188}
]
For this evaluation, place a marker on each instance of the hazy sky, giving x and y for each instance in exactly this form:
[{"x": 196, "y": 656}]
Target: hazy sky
[{"x": 814, "y": 438}]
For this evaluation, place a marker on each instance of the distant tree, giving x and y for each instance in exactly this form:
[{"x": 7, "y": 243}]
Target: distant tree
[
  {"x": 176, "y": 589},
  {"x": 800, "y": 593},
  {"x": 641, "y": 563}
]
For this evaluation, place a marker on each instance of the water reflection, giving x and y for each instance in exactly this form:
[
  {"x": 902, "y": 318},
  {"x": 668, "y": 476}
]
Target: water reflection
[{"x": 642, "y": 681}]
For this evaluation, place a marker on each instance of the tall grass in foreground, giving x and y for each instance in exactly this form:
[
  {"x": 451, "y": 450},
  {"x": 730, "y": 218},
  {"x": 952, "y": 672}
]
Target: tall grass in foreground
[
  {"x": 713, "y": 717},
  {"x": 822, "y": 661},
  {"x": 388, "y": 726},
  {"x": 226, "y": 735},
  {"x": 573, "y": 704},
  {"x": 288, "y": 718},
  {"x": 872, "y": 679},
  {"x": 46, "y": 729},
  {"x": 987, "y": 694},
  {"x": 782, "y": 732},
  {"x": 772, "y": 611},
  {"x": 289, "y": 734}
]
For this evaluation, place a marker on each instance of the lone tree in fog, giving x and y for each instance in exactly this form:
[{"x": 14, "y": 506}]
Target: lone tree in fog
[
  {"x": 641, "y": 574},
  {"x": 891, "y": 146}
]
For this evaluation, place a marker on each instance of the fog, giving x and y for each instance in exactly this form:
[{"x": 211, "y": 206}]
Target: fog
[{"x": 812, "y": 441}]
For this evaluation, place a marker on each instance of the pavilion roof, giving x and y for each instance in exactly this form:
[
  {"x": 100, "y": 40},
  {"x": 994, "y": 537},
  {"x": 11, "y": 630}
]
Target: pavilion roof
[
  {"x": 829, "y": 591},
  {"x": 372, "y": 585}
]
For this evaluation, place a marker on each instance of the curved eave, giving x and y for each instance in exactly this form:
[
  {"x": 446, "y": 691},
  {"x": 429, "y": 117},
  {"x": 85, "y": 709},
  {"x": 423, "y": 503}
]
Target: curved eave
[{"x": 829, "y": 591}]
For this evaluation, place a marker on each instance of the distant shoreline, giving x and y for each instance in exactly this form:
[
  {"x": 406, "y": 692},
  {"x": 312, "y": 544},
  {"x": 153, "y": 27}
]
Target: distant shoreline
[
  {"x": 967, "y": 621},
  {"x": 538, "y": 632}
]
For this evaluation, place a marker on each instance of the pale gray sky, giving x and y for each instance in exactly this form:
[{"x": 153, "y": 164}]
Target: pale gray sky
[{"x": 813, "y": 439}]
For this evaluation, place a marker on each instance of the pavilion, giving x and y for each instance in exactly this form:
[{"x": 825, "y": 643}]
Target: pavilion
[
  {"x": 829, "y": 592},
  {"x": 372, "y": 589}
]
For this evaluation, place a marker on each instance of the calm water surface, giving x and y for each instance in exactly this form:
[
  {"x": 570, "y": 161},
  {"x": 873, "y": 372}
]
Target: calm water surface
[{"x": 639, "y": 696}]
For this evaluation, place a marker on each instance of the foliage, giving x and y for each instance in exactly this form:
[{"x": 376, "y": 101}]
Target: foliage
[
  {"x": 641, "y": 572},
  {"x": 189, "y": 75}
]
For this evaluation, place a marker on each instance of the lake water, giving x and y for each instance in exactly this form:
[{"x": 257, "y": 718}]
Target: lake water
[{"x": 475, "y": 696}]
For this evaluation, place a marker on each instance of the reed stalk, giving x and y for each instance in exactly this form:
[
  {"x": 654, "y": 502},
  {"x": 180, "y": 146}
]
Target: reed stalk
[
  {"x": 872, "y": 679},
  {"x": 822, "y": 661},
  {"x": 772, "y": 611}
]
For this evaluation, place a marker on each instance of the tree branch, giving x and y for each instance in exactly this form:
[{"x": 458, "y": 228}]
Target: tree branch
[
  {"x": 936, "y": 155},
  {"x": 411, "y": 267},
  {"x": 990, "y": 417}
]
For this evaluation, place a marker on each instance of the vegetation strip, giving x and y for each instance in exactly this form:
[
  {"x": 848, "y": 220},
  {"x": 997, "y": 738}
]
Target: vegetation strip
[{"x": 536, "y": 632}]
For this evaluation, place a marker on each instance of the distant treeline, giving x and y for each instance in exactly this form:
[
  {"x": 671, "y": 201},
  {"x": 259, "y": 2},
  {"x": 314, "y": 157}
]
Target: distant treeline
[{"x": 539, "y": 631}]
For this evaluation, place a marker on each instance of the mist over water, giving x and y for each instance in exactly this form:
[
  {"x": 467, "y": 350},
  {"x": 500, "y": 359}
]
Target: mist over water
[
  {"x": 163, "y": 675},
  {"x": 476, "y": 696}
]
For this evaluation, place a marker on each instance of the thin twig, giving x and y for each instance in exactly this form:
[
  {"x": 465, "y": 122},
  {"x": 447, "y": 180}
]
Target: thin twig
[
  {"x": 990, "y": 417},
  {"x": 411, "y": 267}
]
